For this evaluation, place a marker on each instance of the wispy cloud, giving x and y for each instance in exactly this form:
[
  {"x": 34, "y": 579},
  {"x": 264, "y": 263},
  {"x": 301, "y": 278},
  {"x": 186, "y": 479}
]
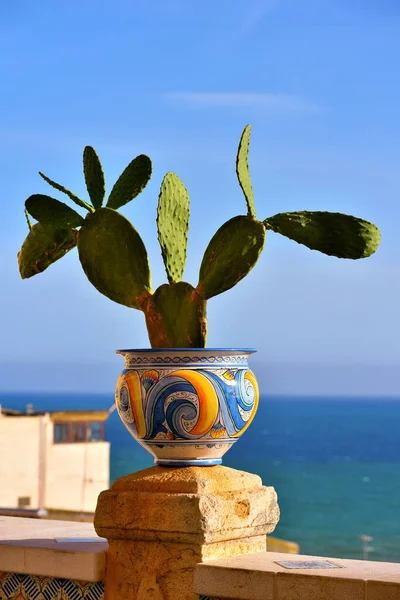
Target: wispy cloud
[{"x": 273, "y": 103}]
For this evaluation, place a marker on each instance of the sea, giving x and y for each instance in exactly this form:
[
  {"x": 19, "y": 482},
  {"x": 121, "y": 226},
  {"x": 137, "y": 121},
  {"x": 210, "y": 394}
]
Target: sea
[{"x": 334, "y": 462}]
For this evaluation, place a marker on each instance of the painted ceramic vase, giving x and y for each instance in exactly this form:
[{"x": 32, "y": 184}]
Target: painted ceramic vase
[{"x": 187, "y": 406}]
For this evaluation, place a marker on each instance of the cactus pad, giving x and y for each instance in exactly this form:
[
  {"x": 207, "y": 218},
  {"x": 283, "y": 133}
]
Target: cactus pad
[
  {"x": 334, "y": 234},
  {"x": 50, "y": 211},
  {"x": 114, "y": 257},
  {"x": 43, "y": 246},
  {"x": 173, "y": 224},
  {"x": 230, "y": 255},
  {"x": 176, "y": 317},
  {"x": 132, "y": 181},
  {"x": 242, "y": 170},
  {"x": 94, "y": 176},
  {"x": 64, "y": 190}
]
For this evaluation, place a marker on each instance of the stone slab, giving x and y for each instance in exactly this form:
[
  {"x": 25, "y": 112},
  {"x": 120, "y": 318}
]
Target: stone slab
[{"x": 30, "y": 546}]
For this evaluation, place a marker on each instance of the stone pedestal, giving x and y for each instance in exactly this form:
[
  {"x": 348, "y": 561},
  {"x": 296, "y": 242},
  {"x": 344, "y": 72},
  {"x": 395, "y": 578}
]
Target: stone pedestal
[{"x": 161, "y": 522}]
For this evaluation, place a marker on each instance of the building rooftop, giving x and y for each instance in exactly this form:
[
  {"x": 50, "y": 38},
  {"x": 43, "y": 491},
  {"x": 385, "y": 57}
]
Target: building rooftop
[{"x": 57, "y": 415}]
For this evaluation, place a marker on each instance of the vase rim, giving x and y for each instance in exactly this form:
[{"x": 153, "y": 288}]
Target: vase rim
[{"x": 174, "y": 350}]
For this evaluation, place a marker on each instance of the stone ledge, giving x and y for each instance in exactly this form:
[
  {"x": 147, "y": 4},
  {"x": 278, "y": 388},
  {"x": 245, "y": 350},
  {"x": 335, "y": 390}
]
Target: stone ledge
[
  {"x": 259, "y": 577},
  {"x": 52, "y": 549}
]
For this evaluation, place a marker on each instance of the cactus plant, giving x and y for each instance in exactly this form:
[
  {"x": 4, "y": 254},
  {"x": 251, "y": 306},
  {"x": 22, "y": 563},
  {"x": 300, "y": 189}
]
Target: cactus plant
[{"x": 114, "y": 258}]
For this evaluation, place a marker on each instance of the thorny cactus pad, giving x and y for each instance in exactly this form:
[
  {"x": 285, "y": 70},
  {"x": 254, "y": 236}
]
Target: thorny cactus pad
[
  {"x": 173, "y": 225},
  {"x": 114, "y": 258}
]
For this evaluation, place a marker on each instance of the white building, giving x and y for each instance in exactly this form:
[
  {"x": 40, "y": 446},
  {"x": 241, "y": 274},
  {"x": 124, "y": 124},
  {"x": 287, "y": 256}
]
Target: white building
[{"x": 57, "y": 461}]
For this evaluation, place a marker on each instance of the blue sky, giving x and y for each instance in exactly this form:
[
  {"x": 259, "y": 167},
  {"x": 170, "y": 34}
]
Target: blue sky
[{"x": 178, "y": 80}]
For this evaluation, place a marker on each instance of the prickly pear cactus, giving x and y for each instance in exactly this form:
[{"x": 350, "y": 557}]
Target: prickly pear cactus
[
  {"x": 176, "y": 317},
  {"x": 114, "y": 257},
  {"x": 173, "y": 224},
  {"x": 230, "y": 255}
]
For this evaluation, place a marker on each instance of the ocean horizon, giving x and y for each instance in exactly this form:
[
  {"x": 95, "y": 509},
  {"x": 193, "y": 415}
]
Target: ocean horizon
[{"x": 334, "y": 462}]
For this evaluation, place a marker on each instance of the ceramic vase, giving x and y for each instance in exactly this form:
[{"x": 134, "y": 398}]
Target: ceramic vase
[{"x": 187, "y": 407}]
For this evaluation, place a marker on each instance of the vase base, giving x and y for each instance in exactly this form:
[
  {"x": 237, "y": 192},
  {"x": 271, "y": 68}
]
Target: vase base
[{"x": 207, "y": 462}]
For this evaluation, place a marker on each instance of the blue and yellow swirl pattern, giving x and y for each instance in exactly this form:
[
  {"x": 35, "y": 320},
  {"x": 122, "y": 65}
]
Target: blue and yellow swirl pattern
[{"x": 187, "y": 404}]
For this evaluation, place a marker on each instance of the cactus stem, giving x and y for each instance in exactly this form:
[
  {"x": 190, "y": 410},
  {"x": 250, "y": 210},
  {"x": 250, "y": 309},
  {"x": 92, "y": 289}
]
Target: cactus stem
[{"x": 143, "y": 299}]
